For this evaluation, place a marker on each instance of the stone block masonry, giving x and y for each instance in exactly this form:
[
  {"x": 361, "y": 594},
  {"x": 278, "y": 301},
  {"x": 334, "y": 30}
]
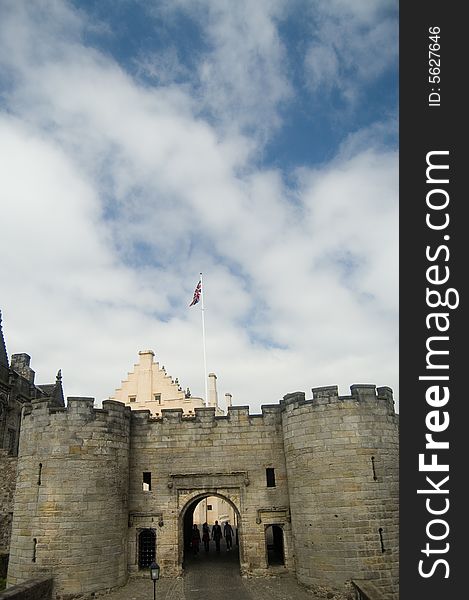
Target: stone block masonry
[
  {"x": 7, "y": 490},
  {"x": 193, "y": 457},
  {"x": 35, "y": 589},
  {"x": 71, "y": 502},
  {"x": 342, "y": 467},
  {"x": 90, "y": 481}
]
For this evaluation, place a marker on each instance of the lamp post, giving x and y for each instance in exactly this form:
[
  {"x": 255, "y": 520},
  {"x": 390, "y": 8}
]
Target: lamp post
[{"x": 155, "y": 575}]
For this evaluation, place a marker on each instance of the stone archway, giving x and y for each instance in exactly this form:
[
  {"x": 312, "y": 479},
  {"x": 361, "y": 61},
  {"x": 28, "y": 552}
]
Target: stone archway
[{"x": 186, "y": 516}]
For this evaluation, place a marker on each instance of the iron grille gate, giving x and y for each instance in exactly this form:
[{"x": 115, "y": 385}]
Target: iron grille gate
[{"x": 146, "y": 548}]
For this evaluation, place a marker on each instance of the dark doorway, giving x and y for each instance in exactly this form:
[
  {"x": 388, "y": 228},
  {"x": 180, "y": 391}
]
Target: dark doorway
[
  {"x": 274, "y": 545},
  {"x": 206, "y": 550},
  {"x": 146, "y": 548}
]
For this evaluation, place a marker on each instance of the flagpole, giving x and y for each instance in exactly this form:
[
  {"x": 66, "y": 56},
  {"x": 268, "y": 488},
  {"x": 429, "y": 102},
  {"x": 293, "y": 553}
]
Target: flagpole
[{"x": 203, "y": 338}]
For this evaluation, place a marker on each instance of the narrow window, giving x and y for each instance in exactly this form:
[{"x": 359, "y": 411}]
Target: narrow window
[
  {"x": 158, "y": 398},
  {"x": 209, "y": 507},
  {"x": 381, "y": 539},
  {"x": 39, "y": 480},
  {"x": 11, "y": 442},
  {"x": 146, "y": 481},
  {"x": 132, "y": 398},
  {"x": 373, "y": 467},
  {"x": 34, "y": 549},
  {"x": 270, "y": 475}
]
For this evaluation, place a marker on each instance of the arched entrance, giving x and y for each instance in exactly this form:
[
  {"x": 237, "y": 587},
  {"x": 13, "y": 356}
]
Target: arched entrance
[
  {"x": 274, "y": 545},
  {"x": 186, "y": 522},
  {"x": 146, "y": 547}
]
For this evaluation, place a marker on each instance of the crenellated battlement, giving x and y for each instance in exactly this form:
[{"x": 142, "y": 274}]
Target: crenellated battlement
[
  {"x": 363, "y": 394},
  {"x": 112, "y": 411},
  {"x": 236, "y": 415},
  {"x": 42, "y": 412},
  {"x": 292, "y": 400}
]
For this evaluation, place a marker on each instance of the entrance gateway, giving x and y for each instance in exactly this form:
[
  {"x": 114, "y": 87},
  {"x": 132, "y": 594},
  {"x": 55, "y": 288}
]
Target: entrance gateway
[
  {"x": 148, "y": 537},
  {"x": 186, "y": 521}
]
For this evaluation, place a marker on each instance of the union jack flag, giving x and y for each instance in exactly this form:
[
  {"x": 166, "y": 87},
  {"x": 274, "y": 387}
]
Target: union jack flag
[{"x": 197, "y": 292}]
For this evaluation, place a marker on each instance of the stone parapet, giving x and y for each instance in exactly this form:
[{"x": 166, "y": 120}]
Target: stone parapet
[{"x": 35, "y": 589}]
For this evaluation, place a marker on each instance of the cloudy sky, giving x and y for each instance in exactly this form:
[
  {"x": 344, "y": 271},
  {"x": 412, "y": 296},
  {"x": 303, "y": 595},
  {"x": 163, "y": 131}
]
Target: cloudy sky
[{"x": 145, "y": 141}]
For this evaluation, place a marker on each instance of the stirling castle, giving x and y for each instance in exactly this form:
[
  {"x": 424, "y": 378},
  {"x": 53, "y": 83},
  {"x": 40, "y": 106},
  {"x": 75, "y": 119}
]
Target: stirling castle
[{"x": 91, "y": 495}]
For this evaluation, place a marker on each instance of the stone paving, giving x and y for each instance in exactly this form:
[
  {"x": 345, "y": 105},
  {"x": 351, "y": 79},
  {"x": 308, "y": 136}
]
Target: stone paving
[{"x": 214, "y": 576}]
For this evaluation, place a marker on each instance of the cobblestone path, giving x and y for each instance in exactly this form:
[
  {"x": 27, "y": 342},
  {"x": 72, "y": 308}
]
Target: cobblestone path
[{"x": 214, "y": 576}]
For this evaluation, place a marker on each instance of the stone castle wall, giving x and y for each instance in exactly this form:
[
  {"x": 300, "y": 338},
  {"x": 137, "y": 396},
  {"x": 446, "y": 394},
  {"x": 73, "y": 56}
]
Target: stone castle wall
[
  {"x": 7, "y": 491},
  {"x": 81, "y": 504},
  {"x": 71, "y": 501},
  {"x": 190, "y": 458},
  {"x": 342, "y": 468}
]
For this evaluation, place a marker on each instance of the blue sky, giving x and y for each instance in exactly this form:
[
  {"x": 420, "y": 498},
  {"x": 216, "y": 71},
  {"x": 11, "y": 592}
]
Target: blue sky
[{"x": 143, "y": 142}]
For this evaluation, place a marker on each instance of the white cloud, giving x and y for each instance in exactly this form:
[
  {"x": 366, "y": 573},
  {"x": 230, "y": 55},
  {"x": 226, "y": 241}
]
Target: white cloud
[
  {"x": 352, "y": 44},
  {"x": 116, "y": 195},
  {"x": 241, "y": 77}
]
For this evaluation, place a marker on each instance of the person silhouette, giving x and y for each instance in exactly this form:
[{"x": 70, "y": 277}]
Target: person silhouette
[
  {"x": 206, "y": 536},
  {"x": 195, "y": 539},
  {"x": 228, "y": 535},
  {"x": 216, "y": 535}
]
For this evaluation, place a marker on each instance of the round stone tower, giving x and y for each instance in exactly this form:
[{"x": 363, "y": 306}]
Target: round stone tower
[
  {"x": 342, "y": 467},
  {"x": 71, "y": 504}
]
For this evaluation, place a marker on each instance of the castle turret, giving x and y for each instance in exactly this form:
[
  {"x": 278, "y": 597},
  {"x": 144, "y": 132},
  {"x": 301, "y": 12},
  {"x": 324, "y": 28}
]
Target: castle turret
[
  {"x": 342, "y": 467},
  {"x": 228, "y": 399},
  {"x": 71, "y": 503}
]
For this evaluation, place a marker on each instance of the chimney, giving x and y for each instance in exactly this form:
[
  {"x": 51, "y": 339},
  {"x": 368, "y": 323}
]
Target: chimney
[
  {"x": 212, "y": 390},
  {"x": 146, "y": 358},
  {"x": 145, "y": 375},
  {"x": 228, "y": 399},
  {"x": 20, "y": 363}
]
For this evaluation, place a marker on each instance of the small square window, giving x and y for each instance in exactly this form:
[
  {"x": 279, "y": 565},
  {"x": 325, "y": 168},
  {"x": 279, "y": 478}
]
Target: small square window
[
  {"x": 157, "y": 398},
  {"x": 132, "y": 398},
  {"x": 270, "y": 476},
  {"x": 209, "y": 507}
]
